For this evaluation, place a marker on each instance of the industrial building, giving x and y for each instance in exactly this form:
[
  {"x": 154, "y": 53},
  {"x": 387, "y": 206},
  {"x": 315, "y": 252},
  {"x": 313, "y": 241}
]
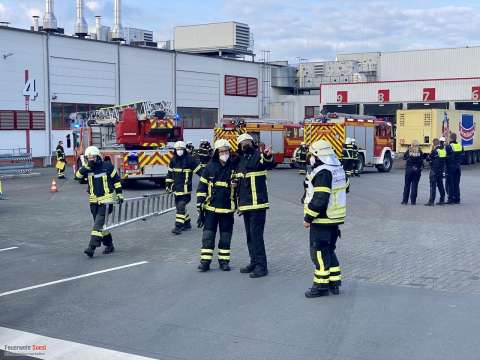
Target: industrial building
[{"x": 46, "y": 76}]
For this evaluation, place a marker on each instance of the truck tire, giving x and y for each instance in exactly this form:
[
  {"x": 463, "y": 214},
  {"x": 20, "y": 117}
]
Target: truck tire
[
  {"x": 361, "y": 164},
  {"x": 387, "y": 163}
]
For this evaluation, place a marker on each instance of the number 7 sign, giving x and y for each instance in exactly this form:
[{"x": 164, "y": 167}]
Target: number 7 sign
[{"x": 429, "y": 94}]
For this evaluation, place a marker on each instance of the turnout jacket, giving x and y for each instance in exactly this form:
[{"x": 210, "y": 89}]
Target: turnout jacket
[
  {"x": 301, "y": 154},
  {"x": 60, "y": 153},
  {"x": 103, "y": 182},
  {"x": 437, "y": 160},
  {"x": 325, "y": 201},
  {"x": 204, "y": 154},
  {"x": 215, "y": 191},
  {"x": 180, "y": 172},
  {"x": 252, "y": 180},
  {"x": 454, "y": 155}
]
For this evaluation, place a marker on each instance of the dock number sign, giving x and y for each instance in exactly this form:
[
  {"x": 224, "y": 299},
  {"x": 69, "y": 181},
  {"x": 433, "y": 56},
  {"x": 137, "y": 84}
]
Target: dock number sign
[
  {"x": 476, "y": 93},
  {"x": 383, "y": 96},
  {"x": 429, "y": 94},
  {"x": 342, "y": 97}
]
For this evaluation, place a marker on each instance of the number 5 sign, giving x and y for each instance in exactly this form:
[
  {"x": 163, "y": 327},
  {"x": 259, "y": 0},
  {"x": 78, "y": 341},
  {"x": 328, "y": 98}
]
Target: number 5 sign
[
  {"x": 476, "y": 93},
  {"x": 342, "y": 96},
  {"x": 429, "y": 94}
]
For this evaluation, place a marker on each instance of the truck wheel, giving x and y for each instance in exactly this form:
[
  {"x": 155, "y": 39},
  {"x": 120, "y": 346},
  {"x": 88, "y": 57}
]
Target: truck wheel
[
  {"x": 360, "y": 164},
  {"x": 387, "y": 163}
]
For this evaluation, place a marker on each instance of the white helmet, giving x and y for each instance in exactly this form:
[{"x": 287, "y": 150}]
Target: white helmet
[
  {"x": 244, "y": 137},
  {"x": 221, "y": 143},
  {"x": 179, "y": 145},
  {"x": 323, "y": 150},
  {"x": 353, "y": 140},
  {"x": 92, "y": 151},
  {"x": 348, "y": 141},
  {"x": 442, "y": 139}
]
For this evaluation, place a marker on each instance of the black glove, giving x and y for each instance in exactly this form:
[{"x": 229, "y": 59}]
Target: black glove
[
  {"x": 169, "y": 188},
  {"x": 120, "y": 200}
]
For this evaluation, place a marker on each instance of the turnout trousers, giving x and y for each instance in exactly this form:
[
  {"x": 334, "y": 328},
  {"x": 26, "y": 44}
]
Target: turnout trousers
[
  {"x": 412, "y": 177},
  {"x": 182, "y": 218},
  {"x": 453, "y": 178},
  {"x": 323, "y": 240},
  {"x": 254, "y": 227},
  {"x": 436, "y": 180},
  {"x": 98, "y": 236},
  {"x": 60, "y": 169},
  {"x": 224, "y": 222}
]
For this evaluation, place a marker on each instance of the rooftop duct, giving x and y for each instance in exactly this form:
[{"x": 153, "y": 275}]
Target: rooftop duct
[
  {"x": 117, "y": 30},
  {"x": 81, "y": 26},
  {"x": 49, "y": 20},
  {"x": 36, "y": 23}
]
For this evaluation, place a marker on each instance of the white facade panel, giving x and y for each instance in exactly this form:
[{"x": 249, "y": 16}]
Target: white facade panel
[
  {"x": 402, "y": 91},
  {"x": 25, "y": 52},
  {"x": 39, "y": 143},
  {"x": 12, "y": 139},
  {"x": 292, "y": 108},
  {"x": 145, "y": 74},
  {"x": 195, "y": 135},
  {"x": 196, "y": 89},
  {"x": 429, "y": 64}
]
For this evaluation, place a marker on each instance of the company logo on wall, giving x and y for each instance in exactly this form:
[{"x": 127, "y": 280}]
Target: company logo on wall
[{"x": 467, "y": 129}]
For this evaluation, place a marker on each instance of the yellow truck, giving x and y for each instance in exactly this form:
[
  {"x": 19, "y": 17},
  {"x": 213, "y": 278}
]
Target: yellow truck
[{"x": 425, "y": 125}]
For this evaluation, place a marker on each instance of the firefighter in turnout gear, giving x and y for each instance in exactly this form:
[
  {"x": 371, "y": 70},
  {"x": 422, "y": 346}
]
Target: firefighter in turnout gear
[
  {"x": 61, "y": 162},
  {"x": 253, "y": 200},
  {"x": 437, "y": 159},
  {"x": 324, "y": 211},
  {"x": 190, "y": 148},
  {"x": 216, "y": 198},
  {"x": 204, "y": 152},
  {"x": 355, "y": 157},
  {"x": 179, "y": 181},
  {"x": 348, "y": 160},
  {"x": 454, "y": 171},
  {"x": 104, "y": 187},
  {"x": 301, "y": 158}
]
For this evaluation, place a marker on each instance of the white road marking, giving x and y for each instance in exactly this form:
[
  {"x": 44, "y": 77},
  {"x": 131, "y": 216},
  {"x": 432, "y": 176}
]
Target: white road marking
[
  {"x": 10, "y": 248},
  {"x": 43, "y": 347},
  {"x": 71, "y": 278}
]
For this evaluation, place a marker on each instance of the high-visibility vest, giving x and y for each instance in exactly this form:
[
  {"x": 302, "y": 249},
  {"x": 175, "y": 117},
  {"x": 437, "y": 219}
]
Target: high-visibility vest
[
  {"x": 456, "y": 147},
  {"x": 337, "y": 204},
  {"x": 442, "y": 153}
]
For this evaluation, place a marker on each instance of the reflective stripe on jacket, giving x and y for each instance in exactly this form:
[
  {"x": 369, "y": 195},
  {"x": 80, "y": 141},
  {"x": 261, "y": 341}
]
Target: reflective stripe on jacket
[
  {"x": 180, "y": 171},
  {"x": 103, "y": 182}
]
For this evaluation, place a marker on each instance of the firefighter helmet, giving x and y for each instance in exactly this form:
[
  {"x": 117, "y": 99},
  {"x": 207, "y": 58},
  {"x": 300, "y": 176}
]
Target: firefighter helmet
[
  {"x": 92, "y": 151},
  {"x": 179, "y": 145},
  {"x": 221, "y": 143},
  {"x": 321, "y": 148},
  {"x": 244, "y": 137},
  {"x": 442, "y": 139},
  {"x": 348, "y": 141}
]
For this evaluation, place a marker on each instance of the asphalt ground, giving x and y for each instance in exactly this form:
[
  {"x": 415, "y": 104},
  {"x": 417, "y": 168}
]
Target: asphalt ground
[{"x": 411, "y": 279}]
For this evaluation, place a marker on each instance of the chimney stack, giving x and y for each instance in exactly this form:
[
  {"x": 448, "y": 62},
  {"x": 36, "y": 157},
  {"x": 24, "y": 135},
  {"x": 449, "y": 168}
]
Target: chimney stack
[
  {"x": 117, "y": 30},
  {"x": 36, "y": 23},
  {"x": 49, "y": 20},
  {"x": 81, "y": 26},
  {"x": 98, "y": 27}
]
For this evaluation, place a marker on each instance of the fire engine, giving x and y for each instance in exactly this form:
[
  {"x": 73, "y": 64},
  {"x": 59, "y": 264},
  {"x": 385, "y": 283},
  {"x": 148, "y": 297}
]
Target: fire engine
[
  {"x": 133, "y": 137},
  {"x": 373, "y": 137},
  {"x": 282, "y": 138}
]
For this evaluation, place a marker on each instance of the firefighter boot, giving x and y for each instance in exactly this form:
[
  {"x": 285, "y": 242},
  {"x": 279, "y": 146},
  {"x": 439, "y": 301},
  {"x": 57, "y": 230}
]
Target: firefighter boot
[
  {"x": 90, "y": 251},
  {"x": 204, "y": 266},
  {"x": 247, "y": 269},
  {"x": 316, "y": 291},
  {"x": 108, "y": 249},
  {"x": 334, "y": 289},
  {"x": 224, "y": 266},
  {"x": 187, "y": 225},
  {"x": 177, "y": 230}
]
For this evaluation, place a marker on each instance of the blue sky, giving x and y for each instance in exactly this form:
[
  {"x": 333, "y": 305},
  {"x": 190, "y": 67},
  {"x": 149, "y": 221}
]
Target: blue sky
[{"x": 289, "y": 29}]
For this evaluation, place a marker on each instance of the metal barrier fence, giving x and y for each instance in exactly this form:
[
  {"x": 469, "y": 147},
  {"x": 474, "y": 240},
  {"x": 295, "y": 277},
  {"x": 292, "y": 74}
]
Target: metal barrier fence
[
  {"x": 2, "y": 192},
  {"x": 15, "y": 161},
  {"x": 138, "y": 208}
]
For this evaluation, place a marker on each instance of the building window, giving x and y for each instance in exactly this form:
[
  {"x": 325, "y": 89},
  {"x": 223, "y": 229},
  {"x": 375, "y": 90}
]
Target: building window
[
  {"x": 241, "y": 86},
  {"x": 62, "y": 113},
  {"x": 312, "y": 112},
  {"x": 22, "y": 120},
  {"x": 198, "y": 118}
]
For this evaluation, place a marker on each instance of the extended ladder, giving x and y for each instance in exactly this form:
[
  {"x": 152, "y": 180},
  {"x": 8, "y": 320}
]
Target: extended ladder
[
  {"x": 138, "y": 208},
  {"x": 111, "y": 115}
]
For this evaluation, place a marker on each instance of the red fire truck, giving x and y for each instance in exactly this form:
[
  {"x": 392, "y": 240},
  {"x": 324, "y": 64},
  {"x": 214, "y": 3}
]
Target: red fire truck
[
  {"x": 373, "y": 137},
  {"x": 282, "y": 138},
  {"x": 135, "y": 138}
]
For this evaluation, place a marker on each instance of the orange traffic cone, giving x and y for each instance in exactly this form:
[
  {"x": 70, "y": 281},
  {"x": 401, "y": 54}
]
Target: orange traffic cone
[{"x": 53, "y": 187}]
